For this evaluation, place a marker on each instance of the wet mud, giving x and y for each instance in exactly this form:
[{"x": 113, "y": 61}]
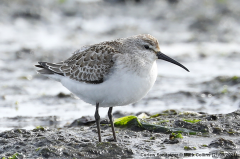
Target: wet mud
[{"x": 155, "y": 136}]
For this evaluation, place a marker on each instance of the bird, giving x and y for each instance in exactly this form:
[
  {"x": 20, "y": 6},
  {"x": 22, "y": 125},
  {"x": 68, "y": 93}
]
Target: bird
[{"x": 111, "y": 73}]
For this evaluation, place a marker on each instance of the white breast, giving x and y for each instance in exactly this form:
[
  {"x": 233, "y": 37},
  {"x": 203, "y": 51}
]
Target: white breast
[{"x": 121, "y": 88}]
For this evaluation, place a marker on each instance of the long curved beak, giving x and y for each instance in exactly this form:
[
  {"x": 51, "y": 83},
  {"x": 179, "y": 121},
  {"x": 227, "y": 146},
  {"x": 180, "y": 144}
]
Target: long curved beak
[{"x": 166, "y": 58}]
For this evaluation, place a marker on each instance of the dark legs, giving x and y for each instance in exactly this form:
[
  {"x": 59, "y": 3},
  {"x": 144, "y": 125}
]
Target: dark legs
[
  {"x": 97, "y": 118},
  {"x": 111, "y": 121}
]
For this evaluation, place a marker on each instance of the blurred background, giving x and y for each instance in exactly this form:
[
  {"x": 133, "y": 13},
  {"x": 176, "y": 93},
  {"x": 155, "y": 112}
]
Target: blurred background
[{"x": 202, "y": 35}]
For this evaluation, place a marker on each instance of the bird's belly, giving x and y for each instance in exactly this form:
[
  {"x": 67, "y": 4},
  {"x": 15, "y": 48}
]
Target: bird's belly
[{"x": 120, "y": 89}]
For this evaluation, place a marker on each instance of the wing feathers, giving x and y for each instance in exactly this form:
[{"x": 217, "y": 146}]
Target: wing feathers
[
  {"x": 49, "y": 68},
  {"x": 91, "y": 65}
]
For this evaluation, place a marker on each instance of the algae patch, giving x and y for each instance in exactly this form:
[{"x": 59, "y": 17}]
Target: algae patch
[
  {"x": 154, "y": 116},
  {"x": 127, "y": 121},
  {"x": 225, "y": 89},
  {"x": 14, "y": 156},
  {"x": 192, "y": 121},
  {"x": 235, "y": 78},
  {"x": 175, "y": 135},
  {"x": 39, "y": 128},
  {"x": 189, "y": 148},
  {"x": 133, "y": 122}
]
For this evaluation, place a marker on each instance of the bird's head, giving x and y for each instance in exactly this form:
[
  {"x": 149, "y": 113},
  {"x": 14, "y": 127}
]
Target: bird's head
[{"x": 149, "y": 47}]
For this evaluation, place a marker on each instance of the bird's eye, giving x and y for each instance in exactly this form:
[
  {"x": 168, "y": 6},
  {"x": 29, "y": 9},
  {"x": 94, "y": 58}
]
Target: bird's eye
[{"x": 146, "y": 47}]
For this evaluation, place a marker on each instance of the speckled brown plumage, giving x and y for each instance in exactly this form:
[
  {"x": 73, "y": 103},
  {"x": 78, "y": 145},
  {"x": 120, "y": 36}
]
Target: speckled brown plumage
[{"x": 90, "y": 65}]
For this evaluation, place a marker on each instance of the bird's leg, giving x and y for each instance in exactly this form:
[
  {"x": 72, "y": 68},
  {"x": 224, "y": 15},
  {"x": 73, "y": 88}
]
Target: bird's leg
[
  {"x": 111, "y": 121},
  {"x": 97, "y": 118}
]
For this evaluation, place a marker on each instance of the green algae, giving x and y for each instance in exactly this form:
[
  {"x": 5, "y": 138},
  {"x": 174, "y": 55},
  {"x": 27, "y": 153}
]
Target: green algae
[
  {"x": 165, "y": 112},
  {"x": 127, "y": 121},
  {"x": 225, "y": 89},
  {"x": 192, "y": 121},
  {"x": 229, "y": 80},
  {"x": 14, "y": 156},
  {"x": 39, "y": 128},
  {"x": 132, "y": 121},
  {"x": 189, "y": 148},
  {"x": 231, "y": 132},
  {"x": 152, "y": 138},
  {"x": 38, "y": 149},
  {"x": 192, "y": 133},
  {"x": 154, "y": 116},
  {"x": 234, "y": 78},
  {"x": 176, "y": 135},
  {"x": 158, "y": 115}
]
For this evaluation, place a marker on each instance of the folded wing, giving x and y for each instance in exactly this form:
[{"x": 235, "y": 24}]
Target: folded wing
[{"x": 90, "y": 65}]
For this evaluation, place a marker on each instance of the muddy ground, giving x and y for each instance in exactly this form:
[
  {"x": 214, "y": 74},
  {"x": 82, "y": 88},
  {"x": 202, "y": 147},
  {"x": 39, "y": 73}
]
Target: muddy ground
[
  {"x": 38, "y": 115},
  {"x": 166, "y": 134}
]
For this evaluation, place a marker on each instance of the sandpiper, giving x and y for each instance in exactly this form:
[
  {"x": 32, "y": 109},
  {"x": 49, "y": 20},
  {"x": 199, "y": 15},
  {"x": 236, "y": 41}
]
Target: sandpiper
[{"x": 111, "y": 73}]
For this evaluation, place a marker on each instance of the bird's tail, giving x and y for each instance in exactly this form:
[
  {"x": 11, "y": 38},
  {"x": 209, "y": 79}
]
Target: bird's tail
[{"x": 49, "y": 68}]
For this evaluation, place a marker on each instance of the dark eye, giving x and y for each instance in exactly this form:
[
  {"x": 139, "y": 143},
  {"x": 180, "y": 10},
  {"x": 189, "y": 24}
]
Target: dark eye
[{"x": 146, "y": 47}]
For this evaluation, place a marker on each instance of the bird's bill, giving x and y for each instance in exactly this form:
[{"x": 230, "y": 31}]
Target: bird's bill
[{"x": 166, "y": 58}]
